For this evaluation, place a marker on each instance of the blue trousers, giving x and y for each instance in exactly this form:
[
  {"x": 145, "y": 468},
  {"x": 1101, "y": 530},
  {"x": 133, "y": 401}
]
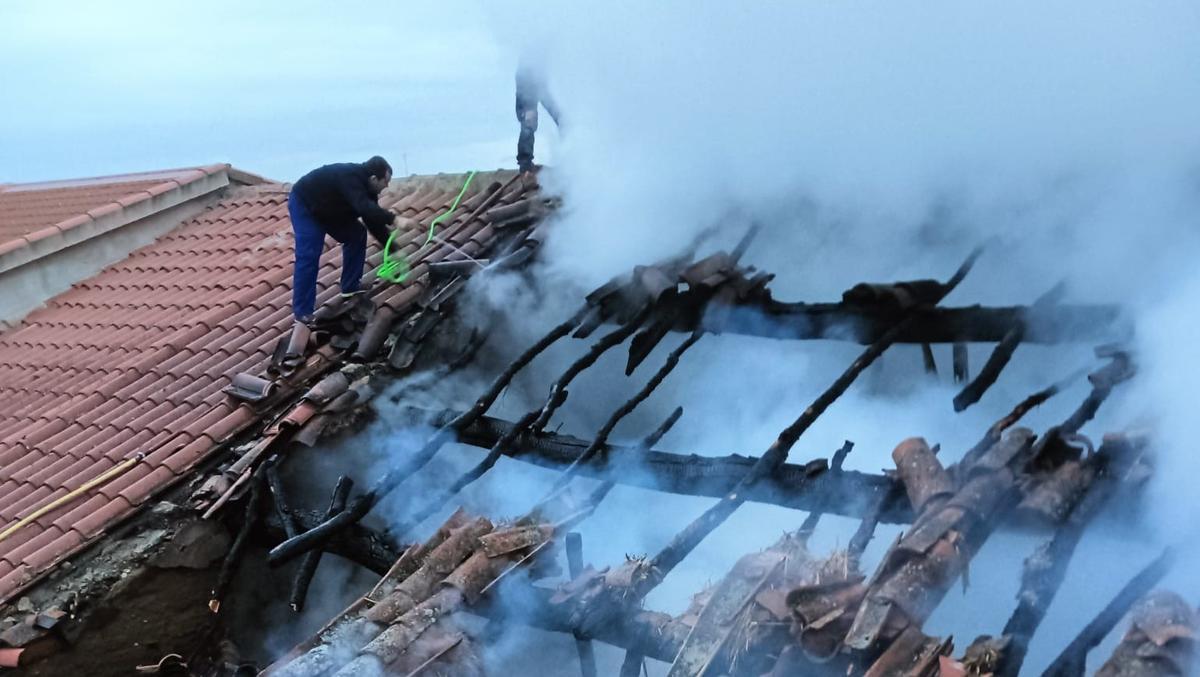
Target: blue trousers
[{"x": 310, "y": 241}]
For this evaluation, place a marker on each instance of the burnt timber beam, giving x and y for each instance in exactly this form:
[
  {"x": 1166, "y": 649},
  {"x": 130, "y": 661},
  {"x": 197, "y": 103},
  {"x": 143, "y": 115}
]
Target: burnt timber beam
[
  {"x": 366, "y": 547},
  {"x": 1078, "y": 323},
  {"x": 808, "y": 487},
  {"x": 1046, "y": 569}
]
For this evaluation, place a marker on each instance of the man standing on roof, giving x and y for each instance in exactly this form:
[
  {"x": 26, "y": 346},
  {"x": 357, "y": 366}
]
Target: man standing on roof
[
  {"x": 531, "y": 90},
  {"x": 342, "y": 201}
]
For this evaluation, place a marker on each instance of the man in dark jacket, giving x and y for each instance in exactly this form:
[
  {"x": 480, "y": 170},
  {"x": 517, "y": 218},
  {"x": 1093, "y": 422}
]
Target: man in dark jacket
[
  {"x": 531, "y": 90},
  {"x": 341, "y": 201}
]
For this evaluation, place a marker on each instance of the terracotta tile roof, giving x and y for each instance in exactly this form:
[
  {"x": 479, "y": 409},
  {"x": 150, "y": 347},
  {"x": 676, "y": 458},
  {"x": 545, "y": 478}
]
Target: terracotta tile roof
[
  {"x": 27, "y": 209},
  {"x": 133, "y": 360}
]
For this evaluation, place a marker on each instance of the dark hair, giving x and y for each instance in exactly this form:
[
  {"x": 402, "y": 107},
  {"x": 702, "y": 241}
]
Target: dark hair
[{"x": 377, "y": 166}]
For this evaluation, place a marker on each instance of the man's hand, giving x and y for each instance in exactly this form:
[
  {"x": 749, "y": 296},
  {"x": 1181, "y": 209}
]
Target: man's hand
[{"x": 403, "y": 223}]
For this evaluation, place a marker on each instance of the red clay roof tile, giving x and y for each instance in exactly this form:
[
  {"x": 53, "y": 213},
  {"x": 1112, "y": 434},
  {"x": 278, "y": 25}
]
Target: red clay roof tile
[
  {"x": 134, "y": 359},
  {"x": 105, "y": 513}
]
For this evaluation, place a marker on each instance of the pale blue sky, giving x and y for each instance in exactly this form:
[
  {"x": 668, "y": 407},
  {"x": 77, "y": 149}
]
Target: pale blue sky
[{"x": 272, "y": 86}]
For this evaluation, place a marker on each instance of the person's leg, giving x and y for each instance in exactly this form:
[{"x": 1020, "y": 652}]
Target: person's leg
[
  {"x": 527, "y": 115},
  {"x": 353, "y": 237},
  {"x": 310, "y": 240},
  {"x": 552, "y": 108}
]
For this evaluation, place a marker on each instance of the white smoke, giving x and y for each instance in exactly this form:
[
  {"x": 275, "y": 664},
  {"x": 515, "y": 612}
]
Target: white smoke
[{"x": 875, "y": 142}]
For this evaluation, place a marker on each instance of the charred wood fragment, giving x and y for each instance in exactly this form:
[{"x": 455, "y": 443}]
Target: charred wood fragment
[
  {"x": 962, "y": 369},
  {"x": 663, "y": 428},
  {"x": 371, "y": 549},
  {"x": 996, "y": 362},
  {"x": 858, "y": 543},
  {"x": 308, "y": 565},
  {"x": 809, "y": 525},
  {"x": 928, "y": 360},
  {"x": 633, "y": 664},
  {"x": 587, "y": 657},
  {"x": 1119, "y": 369},
  {"x": 284, "y": 513},
  {"x": 1004, "y": 351},
  {"x": 994, "y": 433},
  {"x": 234, "y": 557}
]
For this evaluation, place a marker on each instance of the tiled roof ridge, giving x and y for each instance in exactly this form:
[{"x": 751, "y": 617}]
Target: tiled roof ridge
[
  {"x": 131, "y": 177},
  {"x": 178, "y": 180}
]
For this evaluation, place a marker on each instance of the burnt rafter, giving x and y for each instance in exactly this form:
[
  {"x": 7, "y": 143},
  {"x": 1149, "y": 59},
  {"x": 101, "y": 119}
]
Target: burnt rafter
[{"x": 1068, "y": 323}]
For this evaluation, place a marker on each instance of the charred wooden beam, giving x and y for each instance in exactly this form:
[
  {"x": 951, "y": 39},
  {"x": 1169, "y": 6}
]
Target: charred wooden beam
[
  {"x": 1046, "y": 569},
  {"x": 283, "y": 511},
  {"x": 369, "y": 548},
  {"x": 308, "y": 565},
  {"x": 928, "y": 360},
  {"x": 633, "y": 664},
  {"x": 601, "y": 439},
  {"x": 766, "y": 465},
  {"x": 364, "y": 503},
  {"x": 234, "y": 557},
  {"x": 962, "y": 369},
  {"x": 440, "y": 496},
  {"x": 996, "y": 362},
  {"x": 1004, "y": 351},
  {"x": 866, "y": 527},
  {"x": 587, "y": 657},
  {"x": 809, "y": 525},
  {"x": 558, "y": 390},
  {"x": 1161, "y": 639},
  {"x": 1119, "y": 369},
  {"x": 970, "y": 324},
  {"x": 995, "y": 432},
  {"x": 1073, "y": 659}
]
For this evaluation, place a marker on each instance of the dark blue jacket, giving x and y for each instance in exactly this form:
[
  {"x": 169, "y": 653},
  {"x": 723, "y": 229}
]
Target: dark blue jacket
[{"x": 338, "y": 193}]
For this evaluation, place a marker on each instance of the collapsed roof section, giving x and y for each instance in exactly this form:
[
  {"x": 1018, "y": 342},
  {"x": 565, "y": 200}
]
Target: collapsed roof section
[{"x": 781, "y": 611}]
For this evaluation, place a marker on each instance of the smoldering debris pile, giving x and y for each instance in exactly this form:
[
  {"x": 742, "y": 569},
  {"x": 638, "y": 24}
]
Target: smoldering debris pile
[{"x": 784, "y": 610}]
